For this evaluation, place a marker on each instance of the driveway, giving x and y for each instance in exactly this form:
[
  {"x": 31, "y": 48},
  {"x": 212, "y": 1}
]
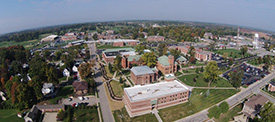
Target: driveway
[
  {"x": 92, "y": 101},
  {"x": 50, "y": 117}
]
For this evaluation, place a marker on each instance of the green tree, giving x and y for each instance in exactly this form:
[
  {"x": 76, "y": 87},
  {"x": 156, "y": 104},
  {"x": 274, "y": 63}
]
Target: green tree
[
  {"x": 52, "y": 76},
  {"x": 267, "y": 113},
  {"x": 120, "y": 80},
  {"x": 95, "y": 37},
  {"x": 38, "y": 68},
  {"x": 140, "y": 48},
  {"x": 191, "y": 51},
  {"x": 175, "y": 53},
  {"x": 162, "y": 49},
  {"x": 85, "y": 69},
  {"x": 214, "y": 112},
  {"x": 224, "y": 106},
  {"x": 202, "y": 69},
  {"x": 117, "y": 63},
  {"x": 244, "y": 50},
  {"x": 211, "y": 72},
  {"x": 236, "y": 77},
  {"x": 212, "y": 45},
  {"x": 36, "y": 84},
  {"x": 149, "y": 59}
]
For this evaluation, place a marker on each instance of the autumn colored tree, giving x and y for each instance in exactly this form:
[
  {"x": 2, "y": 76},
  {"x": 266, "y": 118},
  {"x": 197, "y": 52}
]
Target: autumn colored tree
[{"x": 149, "y": 59}]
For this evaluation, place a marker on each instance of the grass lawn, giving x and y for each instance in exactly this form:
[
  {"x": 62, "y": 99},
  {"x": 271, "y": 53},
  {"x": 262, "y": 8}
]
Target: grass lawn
[
  {"x": 111, "y": 47},
  {"x": 10, "y": 115},
  {"x": 188, "y": 80},
  {"x": 197, "y": 102},
  {"x": 117, "y": 88},
  {"x": 108, "y": 72},
  {"x": 271, "y": 93},
  {"x": 62, "y": 93},
  {"x": 26, "y": 44},
  {"x": 62, "y": 79},
  {"x": 130, "y": 81},
  {"x": 122, "y": 116},
  {"x": 189, "y": 70},
  {"x": 86, "y": 115},
  {"x": 235, "y": 53},
  {"x": 114, "y": 105},
  {"x": 226, "y": 117},
  {"x": 178, "y": 73}
]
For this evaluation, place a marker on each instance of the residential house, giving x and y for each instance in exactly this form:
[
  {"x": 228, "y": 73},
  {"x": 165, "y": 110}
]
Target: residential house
[
  {"x": 143, "y": 75},
  {"x": 182, "y": 60},
  {"x": 34, "y": 115},
  {"x": 66, "y": 72},
  {"x": 155, "y": 38},
  {"x": 253, "y": 106},
  {"x": 80, "y": 88},
  {"x": 140, "y": 100},
  {"x": 48, "y": 88},
  {"x": 167, "y": 65},
  {"x": 271, "y": 86},
  {"x": 75, "y": 68}
]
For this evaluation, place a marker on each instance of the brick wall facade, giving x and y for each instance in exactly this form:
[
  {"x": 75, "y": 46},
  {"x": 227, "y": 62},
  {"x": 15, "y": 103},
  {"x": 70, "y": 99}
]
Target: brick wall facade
[
  {"x": 145, "y": 106},
  {"x": 143, "y": 79}
]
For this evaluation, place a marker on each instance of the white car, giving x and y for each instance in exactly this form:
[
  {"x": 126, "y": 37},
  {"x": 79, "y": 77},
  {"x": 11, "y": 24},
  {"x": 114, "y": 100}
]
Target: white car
[{"x": 81, "y": 98}]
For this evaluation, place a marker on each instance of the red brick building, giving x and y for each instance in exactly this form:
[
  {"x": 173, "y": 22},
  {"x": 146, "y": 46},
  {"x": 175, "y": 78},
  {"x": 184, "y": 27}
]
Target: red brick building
[
  {"x": 130, "y": 61},
  {"x": 119, "y": 42},
  {"x": 69, "y": 36},
  {"x": 110, "y": 54},
  {"x": 199, "y": 53},
  {"x": 155, "y": 38},
  {"x": 141, "y": 100},
  {"x": 167, "y": 65},
  {"x": 142, "y": 75}
]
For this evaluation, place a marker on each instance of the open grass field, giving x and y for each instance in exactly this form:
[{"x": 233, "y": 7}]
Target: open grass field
[
  {"x": 178, "y": 73},
  {"x": 86, "y": 115},
  {"x": 108, "y": 72},
  {"x": 235, "y": 53},
  {"x": 117, "y": 88},
  {"x": 26, "y": 44},
  {"x": 188, "y": 80},
  {"x": 64, "y": 92},
  {"x": 226, "y": 117},
  {"x": 197, "y": 102},
  {"x": 10, "y": 115},
  {"x": 122, "y": 116}
]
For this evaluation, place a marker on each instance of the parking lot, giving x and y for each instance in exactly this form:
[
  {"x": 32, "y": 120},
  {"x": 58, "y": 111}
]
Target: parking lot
[
  {"x": 251, "y": 73},
  {"x": 90, "y": 101}
]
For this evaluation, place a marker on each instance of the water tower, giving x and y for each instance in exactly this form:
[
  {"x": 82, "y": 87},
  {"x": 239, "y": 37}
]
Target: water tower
[{"x": 255, "y": 43}]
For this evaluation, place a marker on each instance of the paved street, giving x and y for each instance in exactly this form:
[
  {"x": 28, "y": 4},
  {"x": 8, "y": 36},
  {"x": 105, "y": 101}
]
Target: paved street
[
  {"x": 232, "y": 101},
  {"x": 104, "y": 105}
]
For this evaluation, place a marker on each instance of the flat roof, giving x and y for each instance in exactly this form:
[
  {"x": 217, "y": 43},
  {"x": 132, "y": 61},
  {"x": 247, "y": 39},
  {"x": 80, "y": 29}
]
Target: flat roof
[
  {"x": 139, "y": 93},
  {"x": 141, "y": 70}
]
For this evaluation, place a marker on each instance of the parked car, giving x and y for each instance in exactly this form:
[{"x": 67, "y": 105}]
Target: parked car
[
  {"x": 70, "y": 99},
  {"x": 81, "y": 98}
]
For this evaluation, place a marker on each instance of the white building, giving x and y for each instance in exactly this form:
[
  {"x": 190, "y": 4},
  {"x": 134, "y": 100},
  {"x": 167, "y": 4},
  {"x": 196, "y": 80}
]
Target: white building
[{"x": 47, "y": 88}]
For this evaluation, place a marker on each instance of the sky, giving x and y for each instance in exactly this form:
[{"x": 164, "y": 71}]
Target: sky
[{"x": 17, "y": 15}]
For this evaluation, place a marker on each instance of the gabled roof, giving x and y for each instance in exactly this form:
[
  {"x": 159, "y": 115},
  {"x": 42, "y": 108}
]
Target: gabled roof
[
  {"x": 181, "y": 59},
  {"x": 164, "y": 60},
  {"x": 142, "y": 70},
  {"x": 132, "y": 57}
]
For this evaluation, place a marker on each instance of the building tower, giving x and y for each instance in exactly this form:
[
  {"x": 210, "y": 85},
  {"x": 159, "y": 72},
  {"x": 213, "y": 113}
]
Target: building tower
[
  {"x": 255, "y": 43},
  {"x": 92, "y": 49}
]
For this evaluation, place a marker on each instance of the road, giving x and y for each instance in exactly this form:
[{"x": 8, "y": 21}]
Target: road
[
  {"x": 232, "y": 101},
  {"x": 104, "y": 105}
]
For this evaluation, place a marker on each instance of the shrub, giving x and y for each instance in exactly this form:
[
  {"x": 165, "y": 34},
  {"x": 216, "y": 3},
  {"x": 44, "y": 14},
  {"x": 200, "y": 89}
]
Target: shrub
[
  {"x": 214, "y": 112},
  {"x": 224, "y": 106}
]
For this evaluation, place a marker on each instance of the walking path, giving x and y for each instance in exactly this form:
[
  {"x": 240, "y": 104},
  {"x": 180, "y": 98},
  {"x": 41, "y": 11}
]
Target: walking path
[{"x": 155, "y": 112}]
